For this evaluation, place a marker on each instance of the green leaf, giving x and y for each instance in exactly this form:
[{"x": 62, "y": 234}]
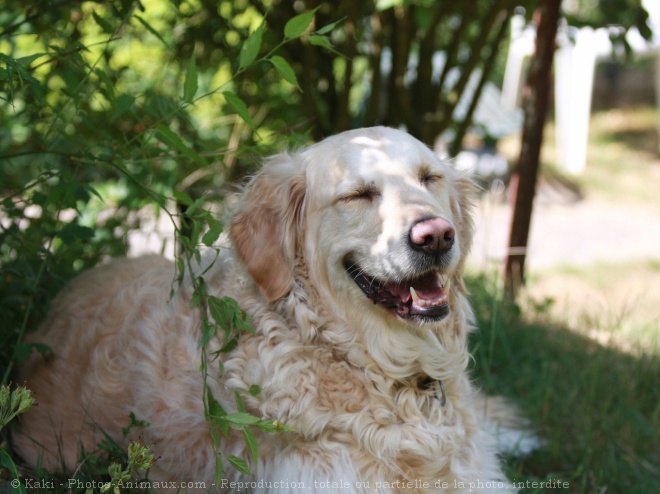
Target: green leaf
[
  {"x": 94, "y": 192},
  {"x": 296, "y": 26},
  {"x": 43, "y": 349},
  {"x": 222, "y": 313},
  {"x": 239, "y": 107},
  {"x": 190, "y": 84},
  {"x": 27, "y": 61},
  {"x": 73, "y": 232},
  {"x": 250, "y": 48},
  {"x": 215, "y": 409},
  {"x": 254, "y": 390},
  {"x": 219, "y": 470},
  {"x": 251, "y": 443},
  {"x": 22, "y": 352},
  {"x": 107, "y": 28},
  {"x": 240, "y": 405},
  {"x": 7, "y": 461},
  {"x": 182, "y": 197},
  {"x": 239, "y": 464},
  {"x": 243, "y": 322},
  {"x": 180, "y": 271},
  {"x": 229, "y": 316},
  {"x": 219, "y": 311},
  {"x": 229, "y": 345},
  {"x": 123, "y": 103},
  {"x": 208, "y": 332},
  {"x": 222, "y": 425},
  {"x": 62, "y": 195},
  {"x": 199, "y": 293},
  {"x": 217, "y": 415},
  {"x": 323, "y": 41},
  {"x": 80, "y": 193},
  {"x": 329, "y": 27},
  {"x": 190, "y": 210},
  {"x": 165, "y": 135},
  {"x": 18, "y": 69},
  {"x": 241, "y": 419},
  {"x": 211, "y": 236},
  {"x": 285, "y": 70},
  {"x": 109, "y": 85},
  {"x": 149, "y": 28}
]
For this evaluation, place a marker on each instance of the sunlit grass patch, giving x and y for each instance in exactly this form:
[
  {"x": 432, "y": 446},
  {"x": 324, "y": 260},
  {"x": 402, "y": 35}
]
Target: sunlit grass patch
[{"x": 617, "y": 305}]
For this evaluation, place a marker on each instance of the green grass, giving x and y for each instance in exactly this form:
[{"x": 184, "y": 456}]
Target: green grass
[
  {"x": 617, "y": 304},
  {"x": 597, "y": 408}
]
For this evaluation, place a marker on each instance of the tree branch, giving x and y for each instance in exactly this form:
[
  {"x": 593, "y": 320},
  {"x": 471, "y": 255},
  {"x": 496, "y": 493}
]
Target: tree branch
[
  {"x": 485, "y": 75},
  {"x": 535, "y": 105},
  {"x": 468, "y": 67}
]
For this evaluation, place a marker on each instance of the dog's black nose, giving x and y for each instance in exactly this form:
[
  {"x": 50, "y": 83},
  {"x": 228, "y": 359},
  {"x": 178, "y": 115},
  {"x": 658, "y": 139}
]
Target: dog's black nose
[{"x": 432, "y": 236}]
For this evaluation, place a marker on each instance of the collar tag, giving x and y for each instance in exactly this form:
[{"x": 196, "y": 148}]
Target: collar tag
[{"x": 438, "y": 388}]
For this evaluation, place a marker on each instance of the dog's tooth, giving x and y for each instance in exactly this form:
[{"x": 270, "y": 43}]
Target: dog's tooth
[{"x": 414, "y": 295}]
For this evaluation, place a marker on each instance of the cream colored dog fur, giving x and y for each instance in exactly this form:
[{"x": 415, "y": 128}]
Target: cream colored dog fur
[{"x": 325, "y": 245}]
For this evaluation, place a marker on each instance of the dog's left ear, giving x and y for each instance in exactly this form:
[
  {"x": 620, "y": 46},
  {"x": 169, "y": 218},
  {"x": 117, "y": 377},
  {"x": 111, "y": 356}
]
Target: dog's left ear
[{"x": 268, "y": 224}]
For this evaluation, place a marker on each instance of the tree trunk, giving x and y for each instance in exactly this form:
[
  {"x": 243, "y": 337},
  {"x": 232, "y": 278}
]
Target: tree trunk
[{"x": 535, "y": 105}]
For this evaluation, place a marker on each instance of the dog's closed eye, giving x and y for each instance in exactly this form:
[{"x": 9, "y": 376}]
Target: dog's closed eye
[
  {"x": 363, "y": 192},
  {"x": 428, "y": 177}
]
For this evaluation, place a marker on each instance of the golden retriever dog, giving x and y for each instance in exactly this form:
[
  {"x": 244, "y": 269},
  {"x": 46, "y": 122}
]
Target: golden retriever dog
[{"x": 348, "y": 258}]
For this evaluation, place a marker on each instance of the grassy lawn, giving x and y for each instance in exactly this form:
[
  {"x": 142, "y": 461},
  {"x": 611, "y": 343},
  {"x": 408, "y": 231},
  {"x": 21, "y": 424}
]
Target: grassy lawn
[
  {"x": 580, "y": 352},
  {"x": 623, "y": 163}
]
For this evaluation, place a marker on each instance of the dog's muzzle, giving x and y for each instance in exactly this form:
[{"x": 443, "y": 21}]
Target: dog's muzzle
[{"x": 424, "y": 298}]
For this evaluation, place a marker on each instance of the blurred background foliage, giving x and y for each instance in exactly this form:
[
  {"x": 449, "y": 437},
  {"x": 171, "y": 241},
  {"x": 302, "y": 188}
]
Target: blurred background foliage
[{"x": 111, "y": 107}]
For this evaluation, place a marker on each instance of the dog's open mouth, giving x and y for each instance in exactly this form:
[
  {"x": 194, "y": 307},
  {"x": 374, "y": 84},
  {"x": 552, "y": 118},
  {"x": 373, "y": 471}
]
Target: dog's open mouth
[{"x": 424, "y": 298}]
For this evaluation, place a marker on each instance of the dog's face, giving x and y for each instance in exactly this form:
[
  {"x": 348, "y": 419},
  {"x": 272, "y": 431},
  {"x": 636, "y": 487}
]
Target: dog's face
[{"x": 380, "y": 222}]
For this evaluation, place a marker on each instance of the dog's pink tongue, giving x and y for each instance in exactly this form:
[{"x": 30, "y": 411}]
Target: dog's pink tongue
[{"x": 428, "y": 287}]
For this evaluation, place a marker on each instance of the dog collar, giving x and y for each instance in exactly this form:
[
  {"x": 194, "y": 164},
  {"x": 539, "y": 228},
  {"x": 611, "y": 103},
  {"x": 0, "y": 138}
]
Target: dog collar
[{"x": 438, "y": 388}]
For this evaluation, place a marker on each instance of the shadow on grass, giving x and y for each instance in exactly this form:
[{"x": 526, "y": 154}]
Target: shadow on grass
[{"x": 597, "y": 409}]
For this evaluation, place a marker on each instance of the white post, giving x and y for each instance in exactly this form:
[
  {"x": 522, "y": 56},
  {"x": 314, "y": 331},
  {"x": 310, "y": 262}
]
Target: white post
[
  {"x": 520, "y": 47},
  {"x": 563, "y": 80},
  {"x": 574, "y": 76},
  {"x": 656, "y": 55}
]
